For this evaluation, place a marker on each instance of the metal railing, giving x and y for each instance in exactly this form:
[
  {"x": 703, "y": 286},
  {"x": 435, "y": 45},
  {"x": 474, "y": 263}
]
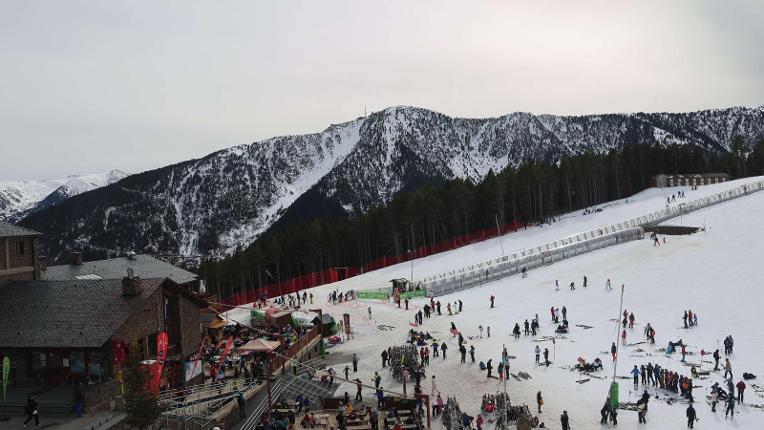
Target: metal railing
[{"x": 600, "y": 237}]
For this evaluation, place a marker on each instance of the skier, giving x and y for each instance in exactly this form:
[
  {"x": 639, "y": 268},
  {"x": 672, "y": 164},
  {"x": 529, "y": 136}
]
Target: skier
[
  {"x": 690, "y": 416},
  {"x": 684, "y": 318},
  {"x": 564, "y": 421},
  {"x": 635, "y": 375},
  {"x": 564, "y": 313},
  {"x": 607, "y": 286},
  {"x": 546, "y": 357},
  {"x": 489, "y": 367},
  {"x": 463, "y": 352},
  {"x": 538, "y": 353},
  {"x": 443, "y": 347},
  {"x": 556, "y": 285},
  {"x": 585, "y": 282},
  {"x": 740, "y": 388},
  {"x": 480, "y": 329},
  {"x": 488, "y": 331},
  {"x": 623, "y": 338},
  {"x": 631, "y": 320},
  {"x": 516, "y": 331},
  {"x": 613, "y": 350},
  {"x": 472, "y": 353},
  {"x": 355, "y": 363},
  {"x": 369, "y": 312},
  {"x": 534, "y": 326},
  {"x": 572, "y": 286},
  {"x": 527, "y": 327},
  {"x": 492, "y": 300},
  {"x": 460, "y": 305},
  {"x": 539, "y": 400}
]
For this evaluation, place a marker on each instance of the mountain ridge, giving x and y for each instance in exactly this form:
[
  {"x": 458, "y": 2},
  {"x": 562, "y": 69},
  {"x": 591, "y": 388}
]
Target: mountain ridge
[{"x": 212, "y": 205}]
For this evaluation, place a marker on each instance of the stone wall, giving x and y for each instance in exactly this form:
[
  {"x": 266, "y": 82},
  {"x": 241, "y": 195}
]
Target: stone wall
[{"x": 190, "y": 327}]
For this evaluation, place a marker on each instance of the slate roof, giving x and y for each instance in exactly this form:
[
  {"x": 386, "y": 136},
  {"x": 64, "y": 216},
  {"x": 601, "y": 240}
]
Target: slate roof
[
  {"x": 68, "y": 314},
  {"x": 11, "y": 230},
  {"x": 144, "y": 266}
]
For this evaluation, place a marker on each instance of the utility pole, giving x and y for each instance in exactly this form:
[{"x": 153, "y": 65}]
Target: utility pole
[{"x": 498, "y": 232}]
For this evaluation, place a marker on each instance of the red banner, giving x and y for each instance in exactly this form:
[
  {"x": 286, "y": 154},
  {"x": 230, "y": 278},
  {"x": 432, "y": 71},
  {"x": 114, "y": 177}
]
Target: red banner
[
  {"x": 118, "y": 352},
  {"x": 199, "y": 354},
  {"x": 227, "y": 348},
  {"x": 158, "y": 367}
]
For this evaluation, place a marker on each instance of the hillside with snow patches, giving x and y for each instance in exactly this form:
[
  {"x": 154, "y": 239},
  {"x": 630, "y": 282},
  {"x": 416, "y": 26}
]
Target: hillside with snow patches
[
  {"x": 715, "y": 273},
  {"x": 211, "y": 206},
  {"x": 21, "y": 198}
]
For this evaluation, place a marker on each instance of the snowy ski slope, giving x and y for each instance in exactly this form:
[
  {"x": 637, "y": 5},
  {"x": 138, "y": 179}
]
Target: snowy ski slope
[{"x": 714, "y": 273}]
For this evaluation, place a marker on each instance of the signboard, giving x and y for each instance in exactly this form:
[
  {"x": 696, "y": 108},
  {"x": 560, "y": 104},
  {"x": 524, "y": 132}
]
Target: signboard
[
  {"x": 6, "y": 372},
  {"x": 192, "y": 369}
]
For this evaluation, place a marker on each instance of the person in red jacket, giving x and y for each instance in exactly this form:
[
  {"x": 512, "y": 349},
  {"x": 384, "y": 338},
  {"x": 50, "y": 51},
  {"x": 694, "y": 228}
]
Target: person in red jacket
[
  {"x": 740, "y": 388},
  {"x": 613, "y": 350}
]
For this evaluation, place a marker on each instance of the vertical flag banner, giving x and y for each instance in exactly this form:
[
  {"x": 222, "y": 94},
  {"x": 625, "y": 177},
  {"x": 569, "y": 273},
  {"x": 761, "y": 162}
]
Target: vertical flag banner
[
  {"x": 6, "y": 372},
  {"x": 157, "y": 368},
  {"x": 221, "y": 364}
]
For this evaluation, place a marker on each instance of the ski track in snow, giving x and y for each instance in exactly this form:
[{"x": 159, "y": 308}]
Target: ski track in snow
[{"x": 714, "y": 273}]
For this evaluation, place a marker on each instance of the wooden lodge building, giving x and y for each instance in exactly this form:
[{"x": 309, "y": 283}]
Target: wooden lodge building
[
  {"x": 18, "y": 253},
  {"x": 77, "y": 322}
]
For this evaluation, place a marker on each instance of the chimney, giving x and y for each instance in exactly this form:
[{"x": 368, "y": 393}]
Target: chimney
[
  {"x": 42, "y": 263},
  {"x": 76, "y": 258},
  {"x": 131, "y": 285}
]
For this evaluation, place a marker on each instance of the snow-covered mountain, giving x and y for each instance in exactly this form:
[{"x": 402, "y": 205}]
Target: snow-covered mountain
[
  {"x": 212, "y": 205},
  {"x": 21, "y": 198}
]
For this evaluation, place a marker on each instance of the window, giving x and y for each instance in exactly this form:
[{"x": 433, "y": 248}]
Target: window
[
  {"x": 20, "y": 248},
  {"x": 77, "y": 363}
]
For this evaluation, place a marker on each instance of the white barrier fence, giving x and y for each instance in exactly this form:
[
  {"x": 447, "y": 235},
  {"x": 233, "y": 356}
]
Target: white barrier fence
[{"x": 600, "y": 237}]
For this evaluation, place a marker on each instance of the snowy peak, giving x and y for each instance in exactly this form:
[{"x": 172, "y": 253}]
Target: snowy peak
[{"x": 20, "y": 198}]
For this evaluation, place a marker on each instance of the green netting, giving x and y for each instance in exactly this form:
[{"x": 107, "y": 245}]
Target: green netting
[{"x": 382, "y": 294}]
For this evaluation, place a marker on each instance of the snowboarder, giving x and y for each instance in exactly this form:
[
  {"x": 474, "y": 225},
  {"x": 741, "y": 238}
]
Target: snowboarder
[{"x": 564, "y": 421}]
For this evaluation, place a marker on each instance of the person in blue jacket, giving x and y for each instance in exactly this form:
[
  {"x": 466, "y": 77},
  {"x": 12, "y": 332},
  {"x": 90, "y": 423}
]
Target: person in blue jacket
[{"x": 635, "y": 374}]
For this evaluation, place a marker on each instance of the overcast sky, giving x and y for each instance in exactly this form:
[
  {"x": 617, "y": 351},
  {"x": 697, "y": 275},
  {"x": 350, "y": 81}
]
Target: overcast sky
[{"x": 88, "y": 86}]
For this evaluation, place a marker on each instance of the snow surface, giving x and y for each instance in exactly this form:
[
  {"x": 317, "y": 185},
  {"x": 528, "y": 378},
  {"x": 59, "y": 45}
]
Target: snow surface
[
  {"x": 650, "y": 200},
  {"x": 714, "y": 274}
]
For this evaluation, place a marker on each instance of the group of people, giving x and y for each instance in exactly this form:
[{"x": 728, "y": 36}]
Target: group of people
[{"x": 690, "y": 319}]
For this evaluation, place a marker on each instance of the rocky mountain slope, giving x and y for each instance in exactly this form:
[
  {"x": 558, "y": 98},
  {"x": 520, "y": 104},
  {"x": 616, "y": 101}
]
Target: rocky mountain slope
[{"x": 212, "y": 205}]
